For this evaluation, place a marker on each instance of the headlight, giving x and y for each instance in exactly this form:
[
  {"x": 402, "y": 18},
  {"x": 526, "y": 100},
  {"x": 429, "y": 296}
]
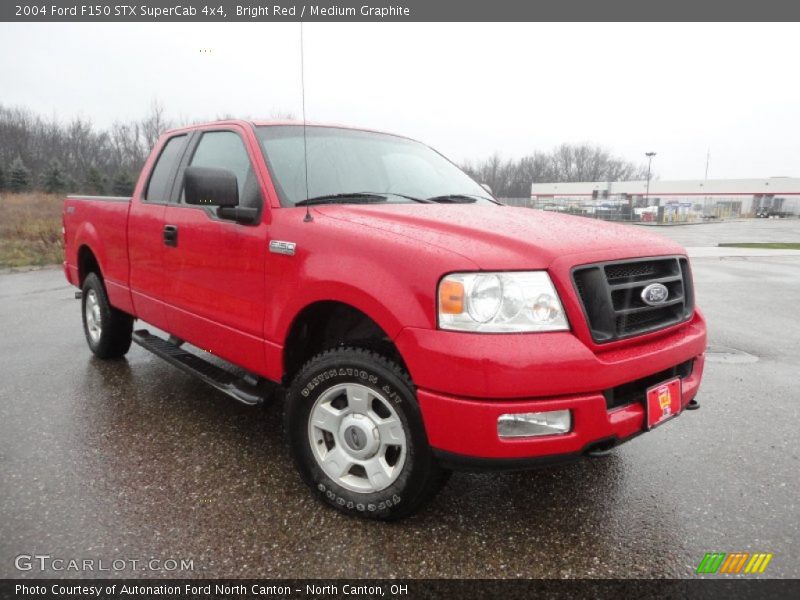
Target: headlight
[{"x": 500, "y": 302}]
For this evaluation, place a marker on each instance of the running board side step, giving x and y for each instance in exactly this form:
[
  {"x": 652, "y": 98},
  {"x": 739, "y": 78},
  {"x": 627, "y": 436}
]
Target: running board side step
[{"x": 243, "y": 389}]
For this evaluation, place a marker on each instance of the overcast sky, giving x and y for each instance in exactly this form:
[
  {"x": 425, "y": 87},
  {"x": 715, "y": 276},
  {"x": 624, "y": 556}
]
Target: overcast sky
[{"x": 467, "y": 89}]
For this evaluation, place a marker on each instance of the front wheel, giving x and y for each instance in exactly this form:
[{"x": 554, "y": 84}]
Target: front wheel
[
  {"x": 357, "y": 437},
  {"x": 108, "y": 331}
]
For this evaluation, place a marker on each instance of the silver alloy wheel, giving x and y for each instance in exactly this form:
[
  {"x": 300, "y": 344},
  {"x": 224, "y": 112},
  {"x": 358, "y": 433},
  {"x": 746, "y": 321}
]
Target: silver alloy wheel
[
  {"x": 357, "y": 438},
  {"x": 94, "y": 322}
]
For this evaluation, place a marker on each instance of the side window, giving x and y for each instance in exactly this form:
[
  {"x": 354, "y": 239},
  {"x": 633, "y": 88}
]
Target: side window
[
  {"x": 160, "y": 184},
  {"x": 225, "y": 150}
]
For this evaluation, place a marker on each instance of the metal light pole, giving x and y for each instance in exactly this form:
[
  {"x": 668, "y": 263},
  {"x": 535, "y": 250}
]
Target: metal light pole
[{"x": 649, "y": 156}]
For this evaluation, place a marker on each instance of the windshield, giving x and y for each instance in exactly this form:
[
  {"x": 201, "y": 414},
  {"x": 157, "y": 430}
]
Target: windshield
[{"x": 346, "y": 165}]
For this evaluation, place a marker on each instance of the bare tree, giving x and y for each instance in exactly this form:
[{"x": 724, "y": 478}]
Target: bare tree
[
  {"x": 280, "y": 114},
  {"x": 155, "y": 123},
  {"x": 567, "y": 162},
  {"x": 78, "y": 146}
]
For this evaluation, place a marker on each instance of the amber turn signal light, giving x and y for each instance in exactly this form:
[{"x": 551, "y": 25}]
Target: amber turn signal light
[{"x": 451, "y": 297}]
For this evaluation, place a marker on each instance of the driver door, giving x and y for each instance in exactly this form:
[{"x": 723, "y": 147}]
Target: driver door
[{"x": 215, "y": 268}]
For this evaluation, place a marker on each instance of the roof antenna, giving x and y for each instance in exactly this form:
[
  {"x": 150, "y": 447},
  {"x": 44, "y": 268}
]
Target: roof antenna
[{"x": 308, "y": 216}]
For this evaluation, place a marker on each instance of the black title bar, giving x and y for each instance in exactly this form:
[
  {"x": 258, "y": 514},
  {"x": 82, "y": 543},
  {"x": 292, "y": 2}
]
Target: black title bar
[
  {"x": 397, "y": 11},
  {"x": 391, "y": 589}
]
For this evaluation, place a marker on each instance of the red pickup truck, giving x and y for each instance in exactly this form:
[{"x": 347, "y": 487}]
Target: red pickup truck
[{"x": 412, "y": 322}]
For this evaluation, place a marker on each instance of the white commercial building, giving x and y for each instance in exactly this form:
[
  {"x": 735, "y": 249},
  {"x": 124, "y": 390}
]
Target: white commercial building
[{"x": 685, "y": 200}]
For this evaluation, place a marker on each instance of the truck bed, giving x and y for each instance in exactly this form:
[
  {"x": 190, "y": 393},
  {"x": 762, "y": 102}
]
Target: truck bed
[{"x": 99, "y": 222}]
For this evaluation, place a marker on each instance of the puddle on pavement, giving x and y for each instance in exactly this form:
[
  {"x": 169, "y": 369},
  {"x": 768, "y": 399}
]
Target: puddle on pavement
[{"x": 723, "y": 354}]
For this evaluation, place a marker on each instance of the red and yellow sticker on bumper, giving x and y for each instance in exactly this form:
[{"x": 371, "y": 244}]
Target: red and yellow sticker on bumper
[{"x": 663, "y": 402}]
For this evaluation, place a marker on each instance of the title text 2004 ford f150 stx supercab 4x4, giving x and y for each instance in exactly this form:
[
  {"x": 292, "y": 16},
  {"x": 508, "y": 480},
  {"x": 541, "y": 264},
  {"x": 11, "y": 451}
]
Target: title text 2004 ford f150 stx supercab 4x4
[{"x": 415, "y": 324}]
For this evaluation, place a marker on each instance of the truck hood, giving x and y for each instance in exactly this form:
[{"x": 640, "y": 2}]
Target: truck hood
[{"x": 504, "y": 237}]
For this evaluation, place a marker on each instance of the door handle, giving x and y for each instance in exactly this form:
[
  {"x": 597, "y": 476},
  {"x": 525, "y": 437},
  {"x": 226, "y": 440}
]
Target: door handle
[{"x": 171, "y": 235}]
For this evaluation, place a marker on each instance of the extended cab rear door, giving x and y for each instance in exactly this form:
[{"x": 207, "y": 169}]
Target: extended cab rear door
[
  {"x": 215, "y": 268},
  {"x": 146, "y": 230}
]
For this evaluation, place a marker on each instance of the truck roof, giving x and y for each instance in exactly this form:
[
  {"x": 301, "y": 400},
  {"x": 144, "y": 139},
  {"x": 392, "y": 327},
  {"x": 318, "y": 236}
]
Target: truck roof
[{"x": 275, "y": 122}]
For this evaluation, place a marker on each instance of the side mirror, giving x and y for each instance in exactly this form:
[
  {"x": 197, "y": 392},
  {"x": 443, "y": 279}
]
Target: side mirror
[
  {"x": 487, "y": 188},
  {"x": 210, "y": 187}
]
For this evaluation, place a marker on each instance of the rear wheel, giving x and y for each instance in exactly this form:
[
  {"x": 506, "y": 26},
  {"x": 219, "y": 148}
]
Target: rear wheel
[
  {"x": 357, "y": 436},
  {"x": 108, "y": 330}
]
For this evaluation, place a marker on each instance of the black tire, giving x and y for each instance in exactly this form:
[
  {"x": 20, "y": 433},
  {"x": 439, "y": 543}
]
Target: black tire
[
  {"x": 115, "y": 332},
  {"x": 420, "y": 476}
]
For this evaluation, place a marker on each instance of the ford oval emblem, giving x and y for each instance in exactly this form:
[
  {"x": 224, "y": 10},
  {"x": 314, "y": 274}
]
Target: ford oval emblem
[{"x": 655, "y": 294}]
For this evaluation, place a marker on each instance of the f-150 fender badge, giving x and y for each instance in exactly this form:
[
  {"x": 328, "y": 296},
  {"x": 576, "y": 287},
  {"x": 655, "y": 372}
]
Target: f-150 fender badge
[{"x": 281, "y": 247}]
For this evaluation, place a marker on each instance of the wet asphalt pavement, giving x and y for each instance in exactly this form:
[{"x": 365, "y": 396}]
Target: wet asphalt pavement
[{"x": 132, "y": 459}]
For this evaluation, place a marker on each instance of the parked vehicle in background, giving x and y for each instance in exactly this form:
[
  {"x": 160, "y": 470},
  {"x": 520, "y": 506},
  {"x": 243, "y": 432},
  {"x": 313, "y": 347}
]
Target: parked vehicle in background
[
  {"x": 769, "y": 213},
  {"x": 413, "y": 323}
]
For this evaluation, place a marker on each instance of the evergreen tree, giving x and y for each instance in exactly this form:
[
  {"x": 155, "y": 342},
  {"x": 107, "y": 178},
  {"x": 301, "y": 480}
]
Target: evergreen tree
[
  {"x": 70, "y": 184},
  {"x": 19, "y": 177},
  {"x": 54, "y": 179},
  {"x": 123, "y": 184},
  {"x": 2, "y": 178},
  {"x": 95, "y": 182}
]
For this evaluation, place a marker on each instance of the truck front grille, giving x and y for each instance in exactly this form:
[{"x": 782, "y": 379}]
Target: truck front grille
[{"x": 611, "y": 295}]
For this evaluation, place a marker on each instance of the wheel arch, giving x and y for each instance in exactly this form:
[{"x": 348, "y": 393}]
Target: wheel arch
[
  {"x": 91, "y": 254},
  {"x": 325, "y": 324},
  {"x": 87, "y": 263}
]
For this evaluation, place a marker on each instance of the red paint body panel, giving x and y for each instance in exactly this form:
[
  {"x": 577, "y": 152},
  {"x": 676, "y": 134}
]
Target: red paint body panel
[
  {"x": 222, "y": 290},
  {"x": 469, "y": 427},
  {"x": 103, "y": 227},
  {"x": 146, "y": 252},
  {"x": 506, "y": 238},
  {"x": 214, "y": 285},
  {"x": 538, "y": 364}
]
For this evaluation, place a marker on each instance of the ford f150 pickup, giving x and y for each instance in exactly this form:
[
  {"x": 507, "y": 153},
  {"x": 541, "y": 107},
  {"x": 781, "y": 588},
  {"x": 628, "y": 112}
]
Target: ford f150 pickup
[{"x": 411, "y": 322}]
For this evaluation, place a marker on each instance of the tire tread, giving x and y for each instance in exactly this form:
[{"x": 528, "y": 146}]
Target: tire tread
[
  {"x": 117, "y": 334},
  {"x": 435, "y": 476}
]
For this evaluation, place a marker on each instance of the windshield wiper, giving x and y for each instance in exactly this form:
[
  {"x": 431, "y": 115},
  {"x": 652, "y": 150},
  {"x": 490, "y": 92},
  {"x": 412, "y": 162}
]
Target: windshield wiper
[
  {"x": 349, "y": 198},
  {"x": 460, "y": 199},
  {"x": 357, "y": 198},
  {"x": 407, "y": 197},
  {"x": 454, "y": 199}
]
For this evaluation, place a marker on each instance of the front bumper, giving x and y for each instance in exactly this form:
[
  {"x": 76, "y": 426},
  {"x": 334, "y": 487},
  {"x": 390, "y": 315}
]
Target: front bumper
[
  {"x": 462, "y": 391},
  {"x": 463, "y": 432}
]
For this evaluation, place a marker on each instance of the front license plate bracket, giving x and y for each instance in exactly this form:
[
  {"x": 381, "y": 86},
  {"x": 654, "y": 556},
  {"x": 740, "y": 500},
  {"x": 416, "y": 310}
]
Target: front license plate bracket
[{"x": 662, "y": 402}]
